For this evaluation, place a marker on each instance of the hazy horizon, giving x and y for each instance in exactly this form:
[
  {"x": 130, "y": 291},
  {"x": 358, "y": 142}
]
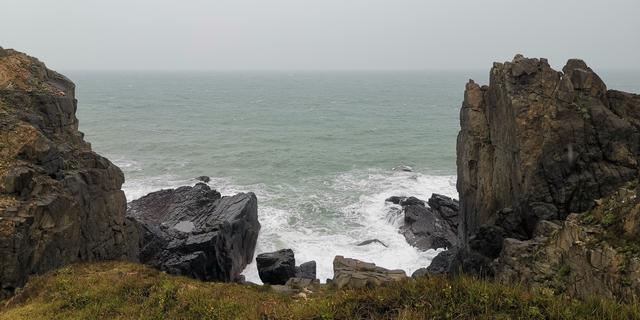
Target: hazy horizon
[{"x": 329, "y": 35}]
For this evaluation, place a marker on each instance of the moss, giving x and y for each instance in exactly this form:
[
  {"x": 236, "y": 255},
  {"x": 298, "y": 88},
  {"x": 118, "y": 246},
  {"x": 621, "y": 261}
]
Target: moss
[
  {"x": 608, "y": 219},
  {"x": 113, "y": 290}
]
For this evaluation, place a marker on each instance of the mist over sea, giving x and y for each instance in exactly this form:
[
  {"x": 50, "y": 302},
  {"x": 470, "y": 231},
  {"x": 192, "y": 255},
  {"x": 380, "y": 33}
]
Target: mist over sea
[{"x": 317, "y": 148}]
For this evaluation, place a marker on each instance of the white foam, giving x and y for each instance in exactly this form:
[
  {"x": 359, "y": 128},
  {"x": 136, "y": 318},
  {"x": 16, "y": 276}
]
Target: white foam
[
  {"x": 323, "y": 217},
  {"x": 366, "y": 218}
]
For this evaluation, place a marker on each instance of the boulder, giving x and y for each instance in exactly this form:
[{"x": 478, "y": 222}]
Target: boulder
[
  {"x": 352, "y": 273},
  {"x": 194, "y": 231},
  {"x": 277, "y": 267},
  {"x": 535, "y": 147},
  {"x": 204, "y": 179},
  {"x": 60, "y": 202},
  {"x": 430, "y": 227},
  {"x": 306, "y": 270},
  {"x": 395, "y": 199}
]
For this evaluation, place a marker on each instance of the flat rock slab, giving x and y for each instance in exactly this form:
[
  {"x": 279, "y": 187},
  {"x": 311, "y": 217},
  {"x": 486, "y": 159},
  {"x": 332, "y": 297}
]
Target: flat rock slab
[{"x": 352, "y": 273}]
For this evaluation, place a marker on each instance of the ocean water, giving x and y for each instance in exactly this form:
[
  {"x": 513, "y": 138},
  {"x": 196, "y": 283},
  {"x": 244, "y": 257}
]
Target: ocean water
[{"x": 317, "y": 148}]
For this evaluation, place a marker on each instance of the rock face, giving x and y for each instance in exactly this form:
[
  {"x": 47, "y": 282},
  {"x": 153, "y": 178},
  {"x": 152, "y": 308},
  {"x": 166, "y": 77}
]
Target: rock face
[
  {"x": 195, "y": 232},
  {"x": 276, "y": 267},
  {"x": 306, "y": 270},
  {"x": 542, "y": 144},
  {"x": 588, "y": 254},
  {"x": 429, "y": 227},
  {"x": 352, "y": 273},
  {"x": 536, "y": 146},
  {"x": 60, "y": 202}
]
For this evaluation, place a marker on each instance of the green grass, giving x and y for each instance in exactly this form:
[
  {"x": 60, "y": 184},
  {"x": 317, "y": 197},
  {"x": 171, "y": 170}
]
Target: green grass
[
  {"x": 117, "y": 290},
  {"x": 610, "y": 215}
]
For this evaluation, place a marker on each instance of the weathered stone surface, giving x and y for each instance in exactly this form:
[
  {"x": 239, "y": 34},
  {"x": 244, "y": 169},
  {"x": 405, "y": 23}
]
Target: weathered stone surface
[
  {"x": 535, "y": 146},
  {"x": 195, "y": 232},
  {"x": 542, "y": 143},
  {"x": 572, "y": 259},
  {"x": 352, "y": 273},
  {"x": 306, "y": 270},
  {"x": 276, "y": 267},
  {"x": 59, "y": 201},
  {"x": 430, "y": 227}
]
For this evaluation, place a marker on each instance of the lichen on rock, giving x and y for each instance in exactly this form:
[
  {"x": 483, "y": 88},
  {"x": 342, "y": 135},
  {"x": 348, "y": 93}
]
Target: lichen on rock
[{"x": 60, "y": 202}]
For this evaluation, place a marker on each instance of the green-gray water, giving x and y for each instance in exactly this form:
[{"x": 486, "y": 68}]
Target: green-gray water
[{"x": 318, "y": 149}]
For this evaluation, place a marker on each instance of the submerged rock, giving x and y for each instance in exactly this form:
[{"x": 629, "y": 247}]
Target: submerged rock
[
  {"x": 276, "y": 267},
  {"x": 195, "y": 232},
  {"x": 204, "y": 179},
  {"x": 60, "y": 202},
  {"x": 403, "y": 168},
  {"x": 368, "y": 242},
  {"x": 352, "y": 273}
]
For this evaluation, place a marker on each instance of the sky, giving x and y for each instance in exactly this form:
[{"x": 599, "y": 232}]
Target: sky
[{"x": 319, "y": 34}]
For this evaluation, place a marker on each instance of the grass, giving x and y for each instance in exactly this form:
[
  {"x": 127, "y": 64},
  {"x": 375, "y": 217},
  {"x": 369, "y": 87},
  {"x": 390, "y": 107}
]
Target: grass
[
  {"x": 609, "y": 216},
  {"x": 118, "y": 290}
]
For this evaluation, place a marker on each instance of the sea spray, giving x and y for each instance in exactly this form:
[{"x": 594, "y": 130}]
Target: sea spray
[{"x": 322, "y": 217}]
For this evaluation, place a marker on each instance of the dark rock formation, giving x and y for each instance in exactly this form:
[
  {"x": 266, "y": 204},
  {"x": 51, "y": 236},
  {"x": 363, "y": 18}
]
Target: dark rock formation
[
  {"x": 276, "y": 267},
  {"x": 306, "y": 270},
  {"x": 352, "y": 273},
  {"x": 193, "y": 231},
  {"x": 204, "y": 179},
  {"x": 59, "y": 201},
  {"x": 542, "y": 143},
  {"x": 535, "y": 146},
  {"x": 430, "y": 227}
]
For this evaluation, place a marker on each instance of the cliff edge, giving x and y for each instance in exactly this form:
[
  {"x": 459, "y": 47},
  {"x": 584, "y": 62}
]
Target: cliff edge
[
  {"x": 60, "y": 202},
  {"x": 537, "y": 145}
]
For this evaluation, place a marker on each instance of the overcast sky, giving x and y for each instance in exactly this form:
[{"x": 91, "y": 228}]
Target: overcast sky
[{"x": 319, "y": 34}]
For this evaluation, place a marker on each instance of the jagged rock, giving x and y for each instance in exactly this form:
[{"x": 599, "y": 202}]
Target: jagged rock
[
  {"x": 352, "y": 273},
  {"x": 306, "y": 270},
  {"x": 411, "y": 201},
  {"x": 368, "y": 242},
  {"x": 535, "y": 146},
  {"x": 395, "y": 199},
  {"x": 195, "y": 232},
  {"x": 574, "y": 261},
  {"x": 543, "y": 143},
  {"x": 204, "y": 179},
  {"x": 430, "y": 227},
  {"x": 276, "y": 267},
  {"x": 447, "y": 207},
  {"x": 59, "y": 201}
]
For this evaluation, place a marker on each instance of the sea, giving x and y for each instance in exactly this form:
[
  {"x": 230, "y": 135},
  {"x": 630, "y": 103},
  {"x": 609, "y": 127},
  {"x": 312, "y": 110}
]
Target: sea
[{"x": 321, "y": 150}]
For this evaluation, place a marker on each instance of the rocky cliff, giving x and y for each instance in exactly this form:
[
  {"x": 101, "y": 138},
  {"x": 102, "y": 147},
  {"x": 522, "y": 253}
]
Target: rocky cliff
[
  {"x": 60, "y": 202},
  {"x": 542, "y": 143},
  {"x": 535, "y": 146}
]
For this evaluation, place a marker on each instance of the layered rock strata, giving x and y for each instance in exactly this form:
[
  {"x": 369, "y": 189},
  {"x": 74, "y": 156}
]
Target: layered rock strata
[{"x": 60, "y": 202}]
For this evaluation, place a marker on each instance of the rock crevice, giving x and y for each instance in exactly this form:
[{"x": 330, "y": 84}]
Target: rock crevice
[{"x": 60, "y": 202}]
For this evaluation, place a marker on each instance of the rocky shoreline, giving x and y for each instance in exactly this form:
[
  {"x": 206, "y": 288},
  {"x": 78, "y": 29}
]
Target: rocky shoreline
[{"x": 537, "y": 151}]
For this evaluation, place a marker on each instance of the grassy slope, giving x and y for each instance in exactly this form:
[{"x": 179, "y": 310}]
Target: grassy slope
[{"x": 115, "y": 290}]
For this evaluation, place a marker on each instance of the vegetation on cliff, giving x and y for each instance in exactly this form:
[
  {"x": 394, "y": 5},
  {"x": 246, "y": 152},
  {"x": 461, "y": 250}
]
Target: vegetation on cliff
[{"x": 118, "y": 290}]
